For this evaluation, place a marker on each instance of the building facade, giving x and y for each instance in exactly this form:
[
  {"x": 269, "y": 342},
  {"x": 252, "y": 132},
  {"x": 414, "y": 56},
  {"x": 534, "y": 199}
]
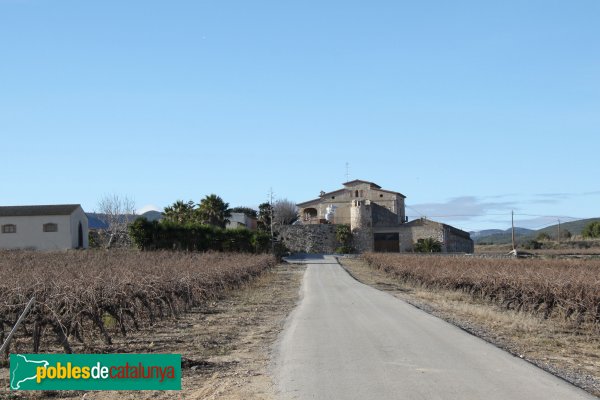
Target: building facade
[
  {"x": 241, "y": 220},
  {"x": 378, "y": 220},
  {"x": 453, "y": 240},
  {"x": 43, "y": 227},
  {"x": 388, "y": 206}
]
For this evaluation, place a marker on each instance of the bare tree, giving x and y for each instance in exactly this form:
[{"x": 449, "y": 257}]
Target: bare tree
[
  {"x": 116, "y": 212},
  {"x": 285, "y": 212}
]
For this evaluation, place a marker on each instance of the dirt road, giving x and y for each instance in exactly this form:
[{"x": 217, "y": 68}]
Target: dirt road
[{"x": 347, "y": 340}]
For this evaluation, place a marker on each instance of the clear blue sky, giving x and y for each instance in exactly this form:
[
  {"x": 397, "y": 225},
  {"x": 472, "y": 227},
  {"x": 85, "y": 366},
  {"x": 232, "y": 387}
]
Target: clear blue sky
[{"x": 466, "y": 107}]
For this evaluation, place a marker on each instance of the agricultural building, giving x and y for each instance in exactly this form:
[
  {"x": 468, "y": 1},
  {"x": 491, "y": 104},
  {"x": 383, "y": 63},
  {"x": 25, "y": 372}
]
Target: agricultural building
[
  {"x": 241, "y": 220},
  {"x": 43, "y": 227},
  {"x": 377, "y": 219}
]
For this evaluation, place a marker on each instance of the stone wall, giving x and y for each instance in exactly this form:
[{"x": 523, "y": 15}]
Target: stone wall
[
  {"x": 409, "y": 234},
  {"x": 362, "y": 240},
  {"x": 361, "y": 224},
  {"x": 456, "y": 241},
  {"x": 453, "y": 240},
  {"x": 316, "y": 239},
  {"x": 382, "y": 216},
  {"x": 320, "y": 239}
]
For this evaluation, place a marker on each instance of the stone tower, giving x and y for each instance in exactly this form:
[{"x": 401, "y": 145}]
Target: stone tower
[{"x": 361, "y": 225}]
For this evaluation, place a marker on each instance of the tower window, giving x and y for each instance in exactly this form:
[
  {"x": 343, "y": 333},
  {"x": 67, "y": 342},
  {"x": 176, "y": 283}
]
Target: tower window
[{"x": 356, "y": 193}]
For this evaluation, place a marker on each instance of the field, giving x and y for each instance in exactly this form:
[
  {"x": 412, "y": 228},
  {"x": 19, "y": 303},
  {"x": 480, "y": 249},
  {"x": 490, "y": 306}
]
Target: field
[
  {"x": 90, "y": 296},
  {"x": 569, "y": 249},
  {"x": 565, "y": 289}
]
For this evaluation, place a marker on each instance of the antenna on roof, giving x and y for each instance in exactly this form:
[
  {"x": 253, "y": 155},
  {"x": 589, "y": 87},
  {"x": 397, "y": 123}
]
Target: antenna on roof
[{"x": 347, "y": 172}]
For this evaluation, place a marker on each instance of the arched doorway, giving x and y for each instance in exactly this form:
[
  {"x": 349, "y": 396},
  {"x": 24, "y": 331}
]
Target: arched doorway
[
  {"x": 310, "y": 214},
  {"x": 80, "y": 236}
]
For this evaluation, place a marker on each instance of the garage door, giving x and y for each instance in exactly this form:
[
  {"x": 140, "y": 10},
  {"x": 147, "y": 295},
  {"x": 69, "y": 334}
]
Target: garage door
[{"x": 387, "y": 242}]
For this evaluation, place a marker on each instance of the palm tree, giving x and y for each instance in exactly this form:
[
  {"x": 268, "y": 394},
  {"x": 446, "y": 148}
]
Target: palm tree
[
  {"x": 212, "y": 210},
  {"x": 180, "y": 212},
  {"x": 428, "y": 245}
]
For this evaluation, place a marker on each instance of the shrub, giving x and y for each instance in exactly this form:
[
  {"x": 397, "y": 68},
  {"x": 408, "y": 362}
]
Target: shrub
[
  {"x": 239, "y": 240},
  {"x": 591, "y": 230},
  {"x": 427, "y": 245},
  {"x": 532, "y": 245},
  {"x": 261, "y": 241},
  {"x": 153, "y": 235},
  {"x": 343, "y": 235},
  {"x": 93, "y": 240},
  {"x": 543, "y": 236}
]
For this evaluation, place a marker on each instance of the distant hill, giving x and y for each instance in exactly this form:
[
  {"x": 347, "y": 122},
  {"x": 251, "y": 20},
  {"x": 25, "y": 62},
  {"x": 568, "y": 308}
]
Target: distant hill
[
  {"x": 152, "y": 215},
  {"x": 95, "y": 221},
  {"x": 575, "y": 227},
  {"x": 486, "y": 232},
  {"x": 520, "y": 231},
  {"x": 503, "y": 237}
]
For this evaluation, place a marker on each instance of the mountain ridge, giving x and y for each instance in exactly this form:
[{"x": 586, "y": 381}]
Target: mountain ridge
[{"x": 499, "y": 236}]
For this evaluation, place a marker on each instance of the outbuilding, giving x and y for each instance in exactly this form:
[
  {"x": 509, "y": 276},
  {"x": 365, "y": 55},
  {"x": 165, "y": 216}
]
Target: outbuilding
[{"x": 43, "y": 227}]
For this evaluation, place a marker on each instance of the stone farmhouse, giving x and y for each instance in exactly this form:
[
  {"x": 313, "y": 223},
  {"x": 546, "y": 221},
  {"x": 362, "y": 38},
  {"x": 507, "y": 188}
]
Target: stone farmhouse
[
  {"x": 377, "y": 219},
  {"x": 43, "y": 227}
]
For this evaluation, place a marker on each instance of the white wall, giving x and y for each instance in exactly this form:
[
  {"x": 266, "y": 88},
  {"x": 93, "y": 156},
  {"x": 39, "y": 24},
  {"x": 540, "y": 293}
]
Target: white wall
[
  {"x": 30, "y": 232},
  {"x": 241, "y": 220},
  {"x": 79, "y": 216}
]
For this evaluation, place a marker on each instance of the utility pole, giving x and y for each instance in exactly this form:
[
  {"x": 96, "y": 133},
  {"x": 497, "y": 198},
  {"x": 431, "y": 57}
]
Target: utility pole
[
  {"x": 558, "y": 237},
  {"x": 512, "y": 214}
]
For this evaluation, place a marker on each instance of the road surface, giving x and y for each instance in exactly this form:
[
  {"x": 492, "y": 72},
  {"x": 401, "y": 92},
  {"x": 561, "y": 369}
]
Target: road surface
[{"x": 346, "y": 340}]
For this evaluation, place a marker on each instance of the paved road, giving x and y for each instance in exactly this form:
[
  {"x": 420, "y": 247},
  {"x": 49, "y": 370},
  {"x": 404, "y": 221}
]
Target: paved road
[{"x": 347, "y": 340}]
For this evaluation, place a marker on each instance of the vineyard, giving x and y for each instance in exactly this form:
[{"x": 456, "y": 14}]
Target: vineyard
[
  {"x": 567, "y": 289},
  {"x": 81, "y": 296}
]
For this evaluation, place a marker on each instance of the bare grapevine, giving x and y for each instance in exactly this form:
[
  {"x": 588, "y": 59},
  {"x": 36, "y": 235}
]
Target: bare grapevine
[
  {"x": 77, "y": 291},
  {"x": 568, "y": 289}
]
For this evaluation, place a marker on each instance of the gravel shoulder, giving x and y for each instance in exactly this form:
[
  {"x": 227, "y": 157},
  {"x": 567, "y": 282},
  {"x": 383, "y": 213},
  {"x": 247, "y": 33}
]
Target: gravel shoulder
[{"x": 549, "y": 344}]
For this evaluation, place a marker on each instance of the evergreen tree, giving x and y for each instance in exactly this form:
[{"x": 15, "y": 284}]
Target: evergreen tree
[{"x": 264, "y": 217}]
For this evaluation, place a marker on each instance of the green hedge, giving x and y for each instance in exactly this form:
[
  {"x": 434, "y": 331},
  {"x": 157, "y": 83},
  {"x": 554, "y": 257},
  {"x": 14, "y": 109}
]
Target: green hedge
[{"x": 152, "y": 235}]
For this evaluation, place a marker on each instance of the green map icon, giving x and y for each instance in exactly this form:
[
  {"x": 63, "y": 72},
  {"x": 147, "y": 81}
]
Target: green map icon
[{"x": 23, "y": 369}]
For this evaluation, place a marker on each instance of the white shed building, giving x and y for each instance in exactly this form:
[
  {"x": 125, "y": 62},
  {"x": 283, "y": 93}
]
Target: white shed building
[
  {"x": 48, "y": 227},
  {"x": 241, "y": 220}
]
